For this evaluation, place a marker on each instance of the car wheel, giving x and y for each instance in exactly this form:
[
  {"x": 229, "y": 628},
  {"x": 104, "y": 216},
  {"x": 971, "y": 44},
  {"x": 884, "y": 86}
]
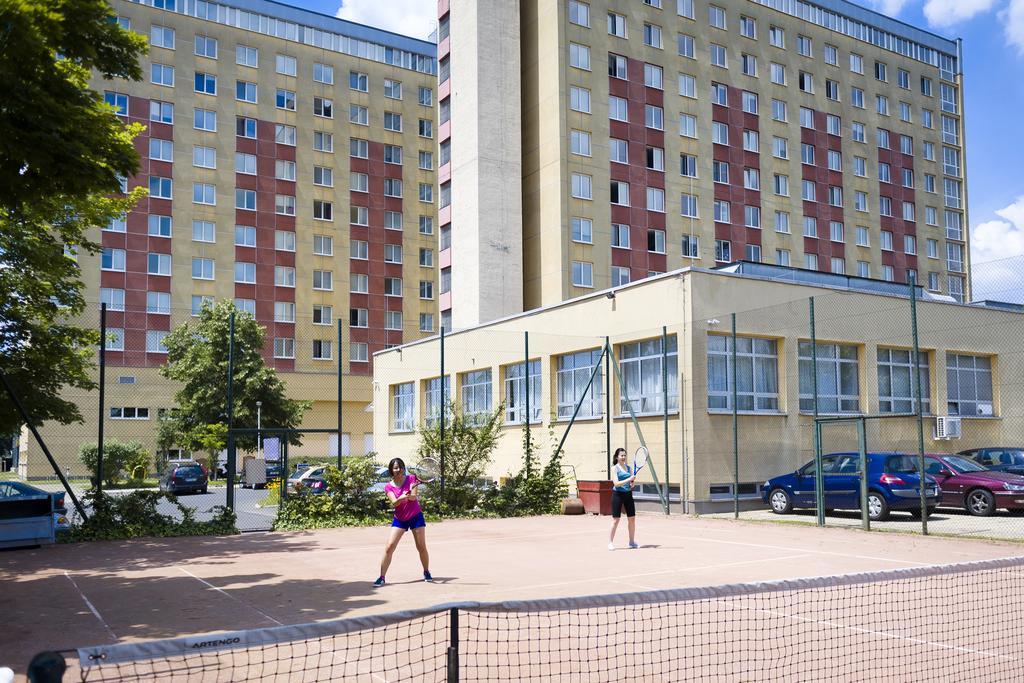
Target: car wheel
[
  {"x": 981, "y": 503},
  {"x": 878, "y": 509},
  {"x": 206, "y": 489},
  {"x": 780, "y": 501}
]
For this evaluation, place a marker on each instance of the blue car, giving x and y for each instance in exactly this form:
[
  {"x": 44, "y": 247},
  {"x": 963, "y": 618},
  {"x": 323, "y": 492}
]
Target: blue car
[{"x": 892, "y": 485}]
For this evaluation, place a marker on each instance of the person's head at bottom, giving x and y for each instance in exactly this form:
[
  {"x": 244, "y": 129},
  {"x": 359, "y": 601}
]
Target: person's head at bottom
[{"x": 46, "y": 667}]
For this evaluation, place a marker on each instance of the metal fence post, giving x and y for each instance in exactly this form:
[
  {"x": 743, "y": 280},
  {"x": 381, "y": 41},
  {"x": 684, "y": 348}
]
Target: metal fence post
[
  {"x": 283, "y": 495},
  {"x": 735, "y": 431},
  {"x": 819, "y": 498},
  {"x": 526, "y": 419},
  {"x": 453, "y": 646},
  {"x": 340, "y": 374},
  {"x": 664, "y": 393},
  {"x": 920, "y": 406},
  {"x": 230, "y": 497},
  {"x": 444, "y": 410},
  {"x": 103, "y": 387},
  {"x": 862, "y": 446},
  {"x": 608, "y": 405}
]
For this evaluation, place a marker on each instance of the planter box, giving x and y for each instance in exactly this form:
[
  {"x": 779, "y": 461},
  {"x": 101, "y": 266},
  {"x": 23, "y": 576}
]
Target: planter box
[{"x": 596, "y": 496}]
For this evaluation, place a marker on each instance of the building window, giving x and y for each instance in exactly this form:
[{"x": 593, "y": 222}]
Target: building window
[
  {"x": 206, "y": 47},
  {"x": 246, "y": 56},
  {"x": 582, "y": 274},
  {"x": 158, "y": 264},
  {"x": 968, "y": 385},
  {"x": 897, "y": 390},
  {"x": 162, "y": 74},
  {"x": 723, "y": 251},
  {"x": 322, "y": 349},
  {"x": 838, "y": 378},
  {"x": 515, "y": 393},
  {"x": 476, "y": 395},
  {"x": 129, "y": 413},
  {"x": 284, "y": 347},
  {"x": 284, "y": 276},
  {"x": 158, "y": 302},
  {"x": 579, "y": 13},
  {"x": 245, "y": 272},
  {"x": 620, "y": 276},
  {"x": 582, "y": 186},
  {"x": 574, "y": 371},
  {"x": 756, "y": 374},
  {"x": 582, "y": 230},
  {"x": 113, "y": 298},
  {"x": 620, "y": 235},
  {"x": 579, "y": 57},
  {"x": 284, "y": 312},
  {"x": 155, "y": 341},
  {"x": 402, "y": 407},
  {"x": 641, "y": 365}
]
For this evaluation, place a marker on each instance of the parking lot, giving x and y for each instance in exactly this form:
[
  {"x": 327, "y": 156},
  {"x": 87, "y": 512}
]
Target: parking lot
[{"x": 1001, "y": 525}]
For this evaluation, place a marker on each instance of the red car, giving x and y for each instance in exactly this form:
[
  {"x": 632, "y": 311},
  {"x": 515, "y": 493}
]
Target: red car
[{"x": 966, "y": 484}]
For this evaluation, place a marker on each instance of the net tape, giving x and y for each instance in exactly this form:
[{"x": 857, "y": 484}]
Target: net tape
[{"x": 541, "y": 648}]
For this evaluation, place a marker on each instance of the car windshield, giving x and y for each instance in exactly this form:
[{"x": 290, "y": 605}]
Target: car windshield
[
  {"x": 900, "y": 464},
  {"x": 190, "y": 471},
  {"x": 963, "y": 464}
]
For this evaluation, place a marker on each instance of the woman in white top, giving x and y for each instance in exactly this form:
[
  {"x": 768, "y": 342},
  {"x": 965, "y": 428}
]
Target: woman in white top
[{"x": 622, "y": 497}]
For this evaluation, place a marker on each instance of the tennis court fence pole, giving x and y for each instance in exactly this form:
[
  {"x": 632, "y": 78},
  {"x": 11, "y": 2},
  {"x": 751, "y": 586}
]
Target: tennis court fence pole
[{"x": 453, "y": 646}]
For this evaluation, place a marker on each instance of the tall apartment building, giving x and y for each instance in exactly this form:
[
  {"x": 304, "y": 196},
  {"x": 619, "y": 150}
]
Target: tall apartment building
[
  {"x": 290, "y": 161},
  {"x": 658, "y": 134}
]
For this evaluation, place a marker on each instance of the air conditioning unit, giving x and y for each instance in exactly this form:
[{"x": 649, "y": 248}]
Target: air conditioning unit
[{"x": 947, "y": 427}]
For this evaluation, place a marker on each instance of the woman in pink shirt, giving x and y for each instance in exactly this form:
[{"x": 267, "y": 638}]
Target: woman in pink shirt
[{"x": 401, "y": 493}]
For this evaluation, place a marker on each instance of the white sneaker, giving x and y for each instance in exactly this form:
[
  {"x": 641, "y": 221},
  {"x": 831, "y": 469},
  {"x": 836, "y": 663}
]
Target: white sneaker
[{"x": 611, "y": 546}]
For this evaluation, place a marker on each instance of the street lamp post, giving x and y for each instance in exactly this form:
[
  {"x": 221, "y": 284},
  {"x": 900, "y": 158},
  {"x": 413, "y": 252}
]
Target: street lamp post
[{"x": 259, "y": 427}]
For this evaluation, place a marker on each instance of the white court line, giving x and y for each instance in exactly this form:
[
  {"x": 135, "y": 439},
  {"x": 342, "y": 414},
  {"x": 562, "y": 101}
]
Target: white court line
[
  {"x": 802, "y": 550},
  {"x": 885, "y": 634},
  {"x": 460, "y": 541},
  {"x": 92, "y": 608},
  {"x": 677, "y": 570},
  {"x": 229, "y": 595}
]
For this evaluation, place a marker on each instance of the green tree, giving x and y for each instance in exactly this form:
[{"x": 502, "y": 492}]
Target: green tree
[
  {"x": 197, "y": 357},
  {"x": 119, "y": 459},
  {"x": 469, "y": 442},
  {"x": 62, "y": 154}
]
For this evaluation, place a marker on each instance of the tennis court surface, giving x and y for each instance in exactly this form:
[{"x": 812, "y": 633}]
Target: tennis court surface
[{"x": 509, "y": 604}]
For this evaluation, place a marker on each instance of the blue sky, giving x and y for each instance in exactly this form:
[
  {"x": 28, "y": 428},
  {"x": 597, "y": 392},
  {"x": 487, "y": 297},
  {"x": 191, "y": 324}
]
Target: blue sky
[{"x": 993, "y": 35}]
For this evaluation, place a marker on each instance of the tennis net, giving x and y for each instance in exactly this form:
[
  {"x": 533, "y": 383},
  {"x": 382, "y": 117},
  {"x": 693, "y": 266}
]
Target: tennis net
[{"x": 947, "y": 622}]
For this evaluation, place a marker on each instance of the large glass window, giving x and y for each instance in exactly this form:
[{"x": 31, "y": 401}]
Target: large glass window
[
  {"x": 641, "y": 368},
  {"x": 574, "y": 372},
  {"x": 515, "y": 393},
  {"x": 968, "y": 385},
  {"x": 897, "y": 389},
  {"x": 476, "y": 395},
  {"x": 838, "y": 378},
  {"x": 402, "y": 401},
  {"x": 433, "y": 399},
  {"x": 757, "y": 373}
]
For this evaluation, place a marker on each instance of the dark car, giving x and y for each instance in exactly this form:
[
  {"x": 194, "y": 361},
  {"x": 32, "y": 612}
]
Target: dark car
[
  {"x": 999, "y": 459},
  {"x": 967, "y": 484},
  {"x": 892, "y": 485},
  {"x": 274, "y": 471},
  {"x": 184, "y": 478},
  {"x": 14, "y": 489}
]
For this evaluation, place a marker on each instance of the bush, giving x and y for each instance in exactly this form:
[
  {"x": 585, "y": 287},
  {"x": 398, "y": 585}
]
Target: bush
[
  {"x": 530, "y": 491},
  {"x": 135, "y": 514},
  {"x": 468, "y": 445},
  {"x": 117, "y": 458},
  {"x": 347, "y": 502}
]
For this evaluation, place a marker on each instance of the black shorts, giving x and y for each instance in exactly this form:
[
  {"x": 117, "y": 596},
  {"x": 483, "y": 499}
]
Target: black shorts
[{"x": 623, "y": 500}]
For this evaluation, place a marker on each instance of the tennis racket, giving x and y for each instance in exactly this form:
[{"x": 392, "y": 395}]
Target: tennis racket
[
  {"x": 426, "y": 470},
  {"x": 640, "y": 458}
]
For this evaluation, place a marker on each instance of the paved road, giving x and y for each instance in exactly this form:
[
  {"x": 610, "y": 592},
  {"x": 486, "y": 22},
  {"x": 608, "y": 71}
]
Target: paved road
[{"x": 250, "y": 516}]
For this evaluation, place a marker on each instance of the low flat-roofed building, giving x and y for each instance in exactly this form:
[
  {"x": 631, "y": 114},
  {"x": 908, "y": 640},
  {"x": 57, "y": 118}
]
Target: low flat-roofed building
[{"x": 970, "y": 365}]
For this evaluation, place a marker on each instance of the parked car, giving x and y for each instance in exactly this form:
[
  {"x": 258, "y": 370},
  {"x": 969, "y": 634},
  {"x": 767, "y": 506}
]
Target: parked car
[
  {"x": 12, "y": 489},
  {"x": 892, "y": 485},
  {"x": 967, "y": 484},
  {"x": 316, "y": 484},
  {"x": 186, "y": 477},
  {"x": 302, "y": 472},
  {"x": 274, "y": 471},
  {"x": 999, "y": 459}
]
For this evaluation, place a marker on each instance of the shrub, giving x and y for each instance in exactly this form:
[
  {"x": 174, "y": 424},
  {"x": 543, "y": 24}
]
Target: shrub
[
  {"x": 117, "y": 458},
  {"x": 531, "y": 491},
  {"x": 347, "y": 502},
  {"x": 135, "y": 514}
]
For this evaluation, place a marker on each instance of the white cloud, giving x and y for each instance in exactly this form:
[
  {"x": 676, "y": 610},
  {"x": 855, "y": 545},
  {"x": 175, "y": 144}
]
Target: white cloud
[
  {"x": 945, "y": 13},
  {"x": 416, "y": 18},
  {"x": 997, "y": 254},
  {"x": 889, "y": 7},
  {"x": 1013, "y": 24}
]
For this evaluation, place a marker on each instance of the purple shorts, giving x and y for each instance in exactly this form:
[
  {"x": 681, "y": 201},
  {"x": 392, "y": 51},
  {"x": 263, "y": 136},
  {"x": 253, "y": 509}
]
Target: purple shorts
[{"x": 417, "y": 522}]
